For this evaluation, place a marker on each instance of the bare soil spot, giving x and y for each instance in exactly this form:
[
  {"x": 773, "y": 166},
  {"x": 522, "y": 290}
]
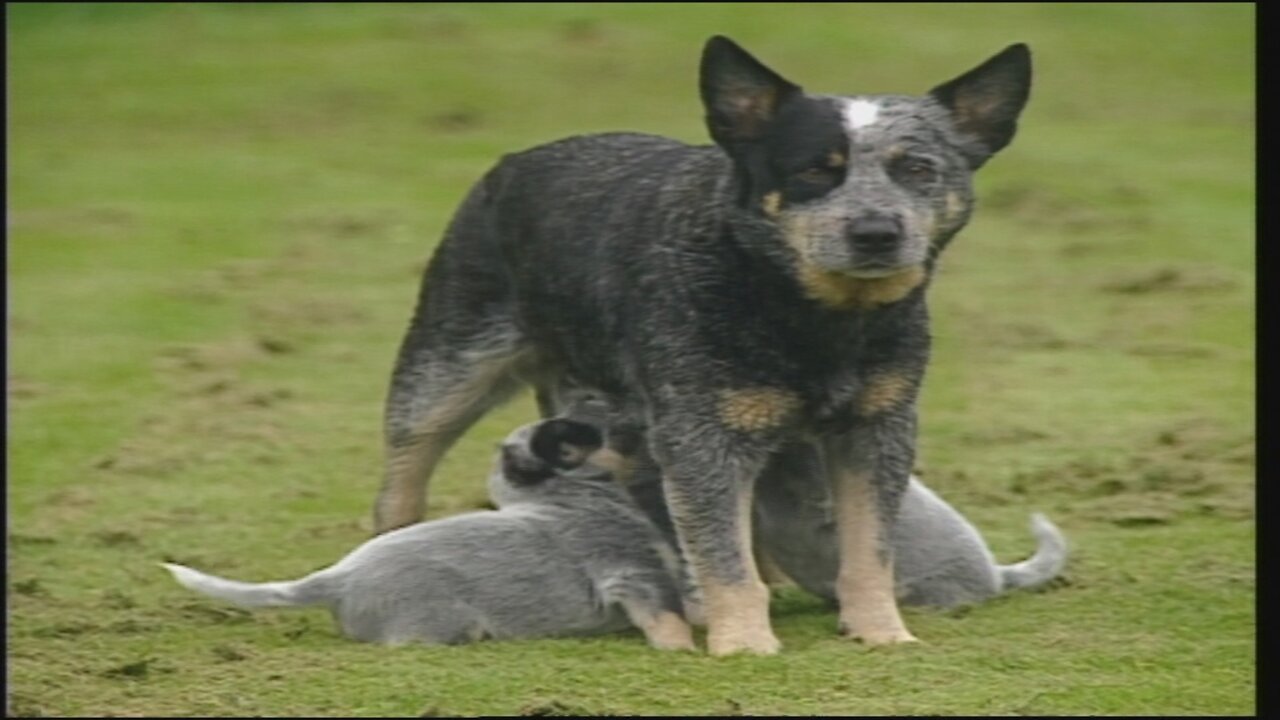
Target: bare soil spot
[
  {"x": 116, "y": 538},
  {"x": 89, "y": 221},
  {"x": 18, "y": 387},
  {"x": 453, "y": 121},
  {"x": 30, "y": 587},
  {"x": 137, "y": 670},
  {"x": 1169, "y": 279},
  {"x": 1187, "y": 467},
  {"x": 1123, "y": 207}
]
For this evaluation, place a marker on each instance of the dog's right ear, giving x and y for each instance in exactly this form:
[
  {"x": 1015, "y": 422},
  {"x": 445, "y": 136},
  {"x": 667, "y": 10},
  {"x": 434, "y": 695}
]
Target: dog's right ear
[{"x": 740, "y": 94}]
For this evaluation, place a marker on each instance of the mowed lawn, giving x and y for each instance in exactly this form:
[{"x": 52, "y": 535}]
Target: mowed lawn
[{"x": 218, "y": 216}]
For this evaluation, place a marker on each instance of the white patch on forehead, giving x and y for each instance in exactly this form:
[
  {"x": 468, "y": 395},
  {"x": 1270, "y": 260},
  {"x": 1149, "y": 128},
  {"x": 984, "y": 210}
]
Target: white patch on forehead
[{"x": 860, "y": 113}]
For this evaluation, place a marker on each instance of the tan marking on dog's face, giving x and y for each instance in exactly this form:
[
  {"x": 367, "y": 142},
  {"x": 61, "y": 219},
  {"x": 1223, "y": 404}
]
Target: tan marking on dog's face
[
  {"x": 836, "y": 159},
  {"x": 864, "y": 584},
  {"x": 883, "y": 391},
  {"x": 756, "y": 409},
  {"x": 771, "y": 203},
  {"x": 844, "y": 292}
]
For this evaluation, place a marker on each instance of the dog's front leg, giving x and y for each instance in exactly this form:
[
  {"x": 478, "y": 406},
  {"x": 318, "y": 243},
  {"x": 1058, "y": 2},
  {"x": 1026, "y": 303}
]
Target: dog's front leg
[
  {"x": 868, "y": 469},
  {"x": 709, "y": 476}
]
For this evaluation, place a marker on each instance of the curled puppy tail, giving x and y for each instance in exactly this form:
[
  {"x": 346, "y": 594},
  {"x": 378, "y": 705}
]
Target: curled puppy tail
[
  {"x": 1044, "y": 565},
  {"x": 310, "y": 590}
]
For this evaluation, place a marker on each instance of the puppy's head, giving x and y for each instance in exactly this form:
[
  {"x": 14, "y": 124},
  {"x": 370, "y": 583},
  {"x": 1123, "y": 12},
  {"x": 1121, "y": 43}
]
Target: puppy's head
[
  {"x": 564, "y": 444},
  {"x": 539, "y": 452}
]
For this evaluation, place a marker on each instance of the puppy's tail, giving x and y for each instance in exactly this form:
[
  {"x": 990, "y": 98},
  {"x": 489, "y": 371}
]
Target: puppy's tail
[
  {"x": 310, "y": 590},
  {"x": 1044, "y": 565}
]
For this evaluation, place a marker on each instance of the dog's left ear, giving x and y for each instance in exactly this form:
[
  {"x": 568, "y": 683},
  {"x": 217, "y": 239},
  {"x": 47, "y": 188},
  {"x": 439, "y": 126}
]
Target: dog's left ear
[
  {"x": 985, "y": 102},
  {"x": 740, "y": 94}
]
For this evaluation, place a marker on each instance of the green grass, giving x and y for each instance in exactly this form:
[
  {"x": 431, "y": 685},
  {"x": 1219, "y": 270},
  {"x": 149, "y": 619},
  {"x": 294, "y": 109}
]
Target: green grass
[{"x": 218, "y": 215}]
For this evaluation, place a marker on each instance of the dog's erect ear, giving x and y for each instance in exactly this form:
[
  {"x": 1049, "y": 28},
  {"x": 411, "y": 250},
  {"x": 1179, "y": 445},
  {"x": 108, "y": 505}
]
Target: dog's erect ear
[
  {"x": 985, "y": 102},
  {"x": 740, "y": 94},
  {"x": 564, "y": 443}
]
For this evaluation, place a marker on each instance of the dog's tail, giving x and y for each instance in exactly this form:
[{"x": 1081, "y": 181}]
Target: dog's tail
[
  {"x": 1044, "y": 565},
  {"x": 310, "y": 590}
]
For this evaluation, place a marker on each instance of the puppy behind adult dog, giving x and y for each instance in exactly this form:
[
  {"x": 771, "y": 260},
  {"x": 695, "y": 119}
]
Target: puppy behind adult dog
[
  {"x": 940, "y": 558},
  {"x": 766, "y": 290},
  {"x": 566, "y": 553}
]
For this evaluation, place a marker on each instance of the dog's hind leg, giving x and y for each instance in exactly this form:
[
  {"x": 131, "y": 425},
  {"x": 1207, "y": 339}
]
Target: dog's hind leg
[
  {"x": 652, "y": 603},
  {"x": 437, "y": 392},
  {"x": 462, "y": 356}
]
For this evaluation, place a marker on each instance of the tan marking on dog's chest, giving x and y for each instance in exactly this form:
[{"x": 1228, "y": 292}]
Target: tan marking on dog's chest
[
  {"x": 771, "y": 203},
  {"x": 883, "y": 391},
  {"x": 840, "y": 291},
  {"x": 756, "y": 409}
]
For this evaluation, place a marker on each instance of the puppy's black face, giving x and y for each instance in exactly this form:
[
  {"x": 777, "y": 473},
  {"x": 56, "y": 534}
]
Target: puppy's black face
[
  {"x": 564, "y": 444},
  {"x": 553, "y": 446},
  {"x": 520, "y": 469}
]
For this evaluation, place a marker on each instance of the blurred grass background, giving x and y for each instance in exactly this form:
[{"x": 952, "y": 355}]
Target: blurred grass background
[{"x": 218, "y": 214}]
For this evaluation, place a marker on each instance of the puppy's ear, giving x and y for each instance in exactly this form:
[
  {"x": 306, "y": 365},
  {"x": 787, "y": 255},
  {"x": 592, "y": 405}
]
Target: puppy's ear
[
  {"x": 985, "y": 102},
  {"x": 564, "y": 443},
  {"x": 740, "y": 94}
]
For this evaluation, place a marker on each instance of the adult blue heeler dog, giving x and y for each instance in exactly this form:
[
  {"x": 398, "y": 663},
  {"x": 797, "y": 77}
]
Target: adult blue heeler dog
[{"x": 731, "y": 299}]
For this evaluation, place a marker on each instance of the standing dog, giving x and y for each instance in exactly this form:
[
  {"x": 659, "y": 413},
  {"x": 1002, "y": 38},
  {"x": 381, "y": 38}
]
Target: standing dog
[
  {"x": 737, "y": 297},
  {"x": 566, "y": 553}
]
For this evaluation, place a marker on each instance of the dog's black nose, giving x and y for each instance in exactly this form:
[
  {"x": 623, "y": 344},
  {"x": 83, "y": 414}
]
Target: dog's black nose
[{"x": 875, "y": 234}]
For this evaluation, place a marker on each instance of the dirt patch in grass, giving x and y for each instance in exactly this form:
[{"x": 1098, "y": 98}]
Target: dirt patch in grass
[
  {"x": 1125, "y": 206},
  {"x": 136, "y": 670},
  {"x": 1191, "y": 466},
  {"x": 211, "y": 402},
  {"x": 86, "y": 221},
  {"x": 555, "y": 708},
  {"x": 18, "y": 387},
  {"x": 1169, "y": 279}
]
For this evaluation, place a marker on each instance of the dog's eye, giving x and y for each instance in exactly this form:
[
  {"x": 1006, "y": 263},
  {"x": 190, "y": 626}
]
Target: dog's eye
[{"x": 920, "y": 171}]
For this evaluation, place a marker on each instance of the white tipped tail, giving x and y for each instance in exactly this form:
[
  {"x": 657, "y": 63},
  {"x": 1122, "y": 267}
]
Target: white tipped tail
[
  {"x": 291, "y": 593},
  {"x": 1045, "y": 564}
]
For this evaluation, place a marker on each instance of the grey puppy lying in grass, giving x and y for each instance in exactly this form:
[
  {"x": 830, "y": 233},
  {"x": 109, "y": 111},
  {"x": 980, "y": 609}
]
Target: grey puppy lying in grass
[{"x": 566, "y": 553}]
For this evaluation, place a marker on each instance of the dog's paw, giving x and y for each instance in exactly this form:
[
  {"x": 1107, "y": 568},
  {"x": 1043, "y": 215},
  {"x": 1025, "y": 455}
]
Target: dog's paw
[
  {"x": 759, "y": 642},
  {"x": 876, "y": 636},
  {"x": 670, "y": 632}
]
